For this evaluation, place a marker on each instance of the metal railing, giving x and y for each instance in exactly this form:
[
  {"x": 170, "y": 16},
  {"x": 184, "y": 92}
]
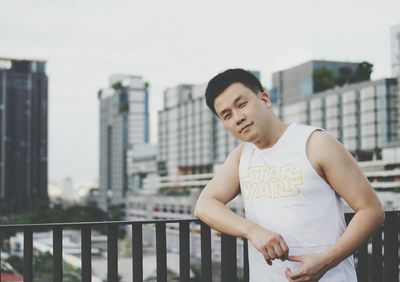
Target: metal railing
[{"x": 381, "y": 265}]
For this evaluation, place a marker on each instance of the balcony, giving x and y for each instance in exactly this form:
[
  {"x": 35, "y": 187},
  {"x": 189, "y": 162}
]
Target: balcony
[{"x": 376, "y": 260}]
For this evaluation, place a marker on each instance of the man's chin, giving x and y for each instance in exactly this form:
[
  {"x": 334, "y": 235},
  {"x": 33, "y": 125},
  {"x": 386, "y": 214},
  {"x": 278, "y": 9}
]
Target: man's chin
[{"x": 247, "y": 138}]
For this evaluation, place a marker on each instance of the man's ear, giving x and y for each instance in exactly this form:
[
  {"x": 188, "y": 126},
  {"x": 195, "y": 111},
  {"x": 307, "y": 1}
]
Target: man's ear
[{"x": 265, "y": 98}]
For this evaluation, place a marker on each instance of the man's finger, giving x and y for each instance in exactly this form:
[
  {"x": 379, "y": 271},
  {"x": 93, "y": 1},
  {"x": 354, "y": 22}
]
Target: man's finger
[
  {"x": 278, "y": 251},
  {"x": 271, "y": 253},
  {"x": 287, "y": 274},
  {"x": 295, "y": 275},
  {"x": 266, "y": 257},
  {"x": 295, "y": 258},
  {"x": 284, "y": 248}
]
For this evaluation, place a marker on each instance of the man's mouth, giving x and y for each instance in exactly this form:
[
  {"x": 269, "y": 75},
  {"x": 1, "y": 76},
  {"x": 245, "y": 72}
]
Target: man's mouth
[{"x": 246, "y": 126}]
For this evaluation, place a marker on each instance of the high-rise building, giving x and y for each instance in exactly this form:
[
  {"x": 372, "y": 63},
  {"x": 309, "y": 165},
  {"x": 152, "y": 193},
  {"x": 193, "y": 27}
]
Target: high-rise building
[
  {"x": 23, "y": 134},
  {"x": 363, "y": 116},
  {"x": 190, "y": 138},
  {"x": 299, "y": 82},
  {"x": 124, "y": 121},
  {"x": 395, "y": 50}
]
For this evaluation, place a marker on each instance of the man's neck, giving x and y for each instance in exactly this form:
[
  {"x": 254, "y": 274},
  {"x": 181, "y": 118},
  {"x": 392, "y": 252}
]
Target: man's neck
[{"x": 272, "y": 135}]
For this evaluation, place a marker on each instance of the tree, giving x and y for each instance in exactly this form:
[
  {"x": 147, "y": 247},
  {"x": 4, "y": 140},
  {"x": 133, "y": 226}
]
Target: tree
[
  {"x": 324, "y": 79},
  {"x": 344, "y": 76},
  {"x": 362, "y": 72}
]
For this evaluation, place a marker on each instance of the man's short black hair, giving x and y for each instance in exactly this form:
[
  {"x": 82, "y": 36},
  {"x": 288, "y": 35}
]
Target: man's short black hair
[{"x": 223, "y": 80}]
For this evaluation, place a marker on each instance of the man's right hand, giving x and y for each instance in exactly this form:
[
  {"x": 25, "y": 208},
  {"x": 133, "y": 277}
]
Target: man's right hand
[{"x": 270, "y": 244}]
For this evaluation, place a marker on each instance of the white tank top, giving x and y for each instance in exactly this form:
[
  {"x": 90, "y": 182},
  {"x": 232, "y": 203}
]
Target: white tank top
[{"x": 283, "y": 193}]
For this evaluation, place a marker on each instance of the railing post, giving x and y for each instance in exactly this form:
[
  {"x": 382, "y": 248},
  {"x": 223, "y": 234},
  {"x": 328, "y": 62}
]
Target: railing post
[
  {"x": 112, "y": 253},
  {"x": 206, "y": 270},
  {"x": 1, "y": 247},
  {"x": 86, "y": 246},
  {"x": 362, "y": 265},
  {"x": 246, "y": 274},
  {"x": 28, "y": 255},
  {"x": 161, "y": 250},
  {"x": 184, "y": 251},
  {"x": 137, "y": 252},
  {"x": 377, "y": 262},
  {"x": 228, "y": 258},
  {"x": 391, "y": 243},
  {"x": 57, "y": 254}
]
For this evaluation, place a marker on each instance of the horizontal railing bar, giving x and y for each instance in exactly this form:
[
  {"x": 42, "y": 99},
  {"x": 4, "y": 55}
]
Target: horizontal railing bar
[
  {"x": 100, "y": 223},
  {"x": 122, "y": 222}
]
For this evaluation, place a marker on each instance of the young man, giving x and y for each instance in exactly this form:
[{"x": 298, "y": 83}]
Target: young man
[{"x": 291, "y": 178}]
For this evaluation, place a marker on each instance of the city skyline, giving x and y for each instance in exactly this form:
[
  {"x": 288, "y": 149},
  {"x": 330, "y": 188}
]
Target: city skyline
[{"x": 172, "y": 43}]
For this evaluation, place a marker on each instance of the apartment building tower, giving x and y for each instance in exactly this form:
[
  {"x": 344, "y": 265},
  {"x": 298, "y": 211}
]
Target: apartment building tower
[
  {"x": 23, "y": 134},
  {"x": 124, "y": 122}
]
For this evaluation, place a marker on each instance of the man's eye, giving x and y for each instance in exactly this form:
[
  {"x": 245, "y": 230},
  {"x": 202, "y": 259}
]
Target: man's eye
[
  {"x": 242, "y": 105},
  {"x": 227, "y": 116}
]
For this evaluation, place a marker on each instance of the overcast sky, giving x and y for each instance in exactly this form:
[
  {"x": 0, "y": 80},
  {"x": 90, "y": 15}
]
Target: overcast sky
[{"x": 172, "y": 42}]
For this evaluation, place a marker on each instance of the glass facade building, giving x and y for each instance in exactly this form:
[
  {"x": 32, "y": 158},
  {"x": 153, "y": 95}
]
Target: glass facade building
[
  {"x": 297, "y": 83},
  {"x": 363, "y": 116},
  {"x": 124, "y": 121},
  {"x": 190, "y": 137},
  {"x": 23, "y": 134}
]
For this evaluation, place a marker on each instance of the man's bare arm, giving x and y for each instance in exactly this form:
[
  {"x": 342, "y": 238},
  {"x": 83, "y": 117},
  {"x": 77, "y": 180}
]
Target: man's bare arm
[
  {"x": 211, "y": 208},
  {"x": 341, "y": 171}
]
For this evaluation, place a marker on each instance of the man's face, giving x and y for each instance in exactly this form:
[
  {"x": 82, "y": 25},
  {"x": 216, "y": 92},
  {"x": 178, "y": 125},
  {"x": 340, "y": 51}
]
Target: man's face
[{"x": 242, "y": 112}]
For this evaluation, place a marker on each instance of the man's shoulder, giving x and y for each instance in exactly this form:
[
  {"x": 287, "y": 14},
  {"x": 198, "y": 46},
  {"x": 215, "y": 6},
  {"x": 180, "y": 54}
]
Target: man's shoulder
[
  {"x": 237, "y": 152},
  {"x": 321, "y": 145},
  {"x": 238, "y": 149}
]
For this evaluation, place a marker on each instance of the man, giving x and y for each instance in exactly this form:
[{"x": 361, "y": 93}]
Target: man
[{"x": 291, "y": 178}]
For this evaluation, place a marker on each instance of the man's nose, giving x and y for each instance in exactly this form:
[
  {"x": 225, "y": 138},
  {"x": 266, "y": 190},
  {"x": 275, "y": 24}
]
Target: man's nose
[{"x": 240, "y": 118}]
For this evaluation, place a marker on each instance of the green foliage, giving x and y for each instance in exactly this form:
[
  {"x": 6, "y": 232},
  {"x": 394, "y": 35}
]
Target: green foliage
[
  {"x": 118, "y": 86},
  {"x": 4, "y": 208},
  {"x": 123, "y": 107},
  {"x": 325, "y": 78},
  {"x": 116, "y": 213},
  {"x": 43, "y": 267},
  {"x": 362, "y": 72},
  {"x": 74, "y": 213},
  {"x": 16, "y": 262}
]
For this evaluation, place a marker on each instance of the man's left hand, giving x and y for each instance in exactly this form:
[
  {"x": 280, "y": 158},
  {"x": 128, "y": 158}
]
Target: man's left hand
[{"x": 313, "y": 267}]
